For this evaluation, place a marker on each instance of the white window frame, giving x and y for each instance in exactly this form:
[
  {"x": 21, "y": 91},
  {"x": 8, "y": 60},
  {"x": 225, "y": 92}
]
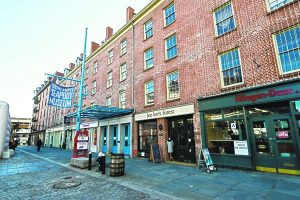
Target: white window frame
[
  {"x": 123, "y": 47},
  {"x": 269, "y": 7},
  {"x": 215, "y": 20},
  {"x": 174, "y": 46},
  {"x": 168, "y": 88},
  {"x": 147, "y": 93},
  {"x": 122, "y": 99},
  {"x": 221, "y": 69},
  {"x": 123, "y": 72},
  {"x": 108, "y": 101},
  {"x": 110, "y": 57},
  {"x": 94, "y": 89},
  {"x": 148, "y": 59},
  {"x": 165, "y": 17},
  {"x": 148, "y": 30},
  {"x": 278, "y": 59},
  {"x": 109, "y": 79},
  {"x": 95, "y": 67}
]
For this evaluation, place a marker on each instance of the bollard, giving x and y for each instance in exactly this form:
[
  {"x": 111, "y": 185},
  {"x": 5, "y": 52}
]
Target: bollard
[{"x": 90, "y": 161}]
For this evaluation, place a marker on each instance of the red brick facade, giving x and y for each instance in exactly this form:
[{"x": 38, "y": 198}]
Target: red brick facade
[{"x": 197, "y": 58}]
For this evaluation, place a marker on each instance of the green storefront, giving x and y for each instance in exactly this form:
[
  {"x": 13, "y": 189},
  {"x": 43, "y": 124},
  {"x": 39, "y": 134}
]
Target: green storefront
[{"x": 255, "y": 128}]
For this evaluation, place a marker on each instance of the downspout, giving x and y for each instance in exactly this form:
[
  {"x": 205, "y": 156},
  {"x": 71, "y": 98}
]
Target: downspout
[{"x": 132, "y": 85}]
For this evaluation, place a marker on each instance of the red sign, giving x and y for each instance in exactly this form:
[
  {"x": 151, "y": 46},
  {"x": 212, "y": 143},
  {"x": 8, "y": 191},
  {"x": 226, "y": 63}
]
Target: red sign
[
  {"x": 282, "y": 134},
  {"x": 270, "y": 93},
  {"x": 79, "y": 150}
]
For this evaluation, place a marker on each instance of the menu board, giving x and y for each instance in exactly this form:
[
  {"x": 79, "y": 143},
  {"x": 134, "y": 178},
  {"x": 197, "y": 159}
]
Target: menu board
[{"x": 155, "y": 153}]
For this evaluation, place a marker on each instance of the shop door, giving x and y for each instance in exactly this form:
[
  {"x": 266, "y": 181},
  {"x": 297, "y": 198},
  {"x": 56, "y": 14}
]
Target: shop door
[
  {"x": 126, "y": 140},
  {"x": 274, "y": 145},
  {"x": 114, "y": 139},
  {"x": 104, "y": 139},
  {"x": 182, "y": 134}
]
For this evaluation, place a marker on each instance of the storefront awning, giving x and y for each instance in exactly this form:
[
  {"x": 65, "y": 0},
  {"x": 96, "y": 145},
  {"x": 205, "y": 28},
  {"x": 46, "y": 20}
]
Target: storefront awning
[{"x": 101, "y": 112}]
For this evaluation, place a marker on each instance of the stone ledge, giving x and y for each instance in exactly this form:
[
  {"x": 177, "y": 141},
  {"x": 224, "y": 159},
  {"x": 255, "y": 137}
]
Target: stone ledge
[{"x": 82, "y": 162}]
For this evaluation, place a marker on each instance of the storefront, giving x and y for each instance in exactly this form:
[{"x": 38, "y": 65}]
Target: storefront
[
  {"x": 256, "y": 128},
  {"x": 115, "y": 135},
  {"x": 176, "y": 123}
]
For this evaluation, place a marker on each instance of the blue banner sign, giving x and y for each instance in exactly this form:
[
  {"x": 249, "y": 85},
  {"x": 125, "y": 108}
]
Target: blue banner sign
[{"x": 60, "y": 96}]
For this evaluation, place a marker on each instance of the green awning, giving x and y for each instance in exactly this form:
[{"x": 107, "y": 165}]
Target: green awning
[{"x": 101, "y": 112}]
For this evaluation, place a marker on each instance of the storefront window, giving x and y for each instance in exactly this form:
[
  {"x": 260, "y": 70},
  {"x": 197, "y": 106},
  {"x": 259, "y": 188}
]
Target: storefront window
[
  {"x": 297, "y": 106},
  {"x": 223, "y": 134},
  {"x": 230, "y": 113},
  {"x": 269, "y": 109},
  {"x": 213, "y": 115},
  {"x": 147, "y": 136}
]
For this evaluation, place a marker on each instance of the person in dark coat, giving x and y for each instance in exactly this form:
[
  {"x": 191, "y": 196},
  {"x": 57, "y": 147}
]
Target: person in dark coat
[{"x": 39, "y": 144}]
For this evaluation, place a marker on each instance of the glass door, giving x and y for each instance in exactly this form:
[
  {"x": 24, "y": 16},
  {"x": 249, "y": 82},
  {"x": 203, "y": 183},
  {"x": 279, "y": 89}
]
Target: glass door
[
  {"x": 114, "y": 139},
  {"x": 273, "y": 144},
  {"x": 182, "y": 133},
  {"x": 104, "y": 139},
  {"x": 126, "y": 139}
]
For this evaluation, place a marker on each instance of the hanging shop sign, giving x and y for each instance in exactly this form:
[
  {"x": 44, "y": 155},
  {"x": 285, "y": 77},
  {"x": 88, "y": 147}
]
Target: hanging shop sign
[
  {"x": 60, "y": 96},
  {"x": 241, "y": 147}
]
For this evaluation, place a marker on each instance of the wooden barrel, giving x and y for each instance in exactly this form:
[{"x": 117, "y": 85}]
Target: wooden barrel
[{"x": 117, "y": 165}]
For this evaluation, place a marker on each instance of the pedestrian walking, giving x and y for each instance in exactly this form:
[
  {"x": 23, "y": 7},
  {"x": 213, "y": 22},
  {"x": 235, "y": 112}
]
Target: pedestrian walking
[{"x": 39, "y": 144}]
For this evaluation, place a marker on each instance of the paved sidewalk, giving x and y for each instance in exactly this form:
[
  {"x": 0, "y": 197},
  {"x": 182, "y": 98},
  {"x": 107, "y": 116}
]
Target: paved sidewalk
[{"x": 185, "y": 182}]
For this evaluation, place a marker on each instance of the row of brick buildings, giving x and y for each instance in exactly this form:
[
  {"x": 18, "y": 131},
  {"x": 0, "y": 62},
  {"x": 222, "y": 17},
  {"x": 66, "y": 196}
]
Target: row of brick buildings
[{"x": 217, "y": 74}]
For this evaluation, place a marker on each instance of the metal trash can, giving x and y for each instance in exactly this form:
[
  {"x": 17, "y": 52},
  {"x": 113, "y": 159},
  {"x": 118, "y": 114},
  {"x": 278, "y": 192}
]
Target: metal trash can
[{"x": 117, "y": 165}]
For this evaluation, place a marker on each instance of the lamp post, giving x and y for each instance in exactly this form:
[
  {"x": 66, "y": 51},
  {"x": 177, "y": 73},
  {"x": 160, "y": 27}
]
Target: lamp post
[
  {"x": 78, "y": 118},
  {"x": 81, "y": 83}
]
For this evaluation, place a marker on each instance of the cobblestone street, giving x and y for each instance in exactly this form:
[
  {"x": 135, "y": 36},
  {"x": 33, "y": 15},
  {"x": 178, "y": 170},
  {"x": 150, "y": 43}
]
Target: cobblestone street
[
  {"x": 32, "y": 175},
  {"x": 26, "y": 177}
]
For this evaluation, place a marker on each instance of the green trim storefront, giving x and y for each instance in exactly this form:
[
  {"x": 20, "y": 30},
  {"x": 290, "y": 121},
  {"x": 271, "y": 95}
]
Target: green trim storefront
[{"x": 256, "y": 128}]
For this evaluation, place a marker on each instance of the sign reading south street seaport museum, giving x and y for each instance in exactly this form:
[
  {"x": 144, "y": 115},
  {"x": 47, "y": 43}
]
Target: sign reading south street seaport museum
[{"x": 168, "y": 112}]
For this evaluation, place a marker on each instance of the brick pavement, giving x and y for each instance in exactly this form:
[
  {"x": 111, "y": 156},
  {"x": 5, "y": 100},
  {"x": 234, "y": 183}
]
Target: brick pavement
[{"x": 171, "y": 181}]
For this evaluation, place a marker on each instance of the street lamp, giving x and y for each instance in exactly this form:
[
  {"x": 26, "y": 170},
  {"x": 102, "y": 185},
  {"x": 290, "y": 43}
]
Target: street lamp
[{"x": 81, "y": 83}]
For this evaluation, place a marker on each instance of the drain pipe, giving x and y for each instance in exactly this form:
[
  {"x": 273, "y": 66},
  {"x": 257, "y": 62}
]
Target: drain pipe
[{"x": 132, "y": 83}]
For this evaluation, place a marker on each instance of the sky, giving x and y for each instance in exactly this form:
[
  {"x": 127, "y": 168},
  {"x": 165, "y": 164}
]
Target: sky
[{"x": 38, "y": 37}]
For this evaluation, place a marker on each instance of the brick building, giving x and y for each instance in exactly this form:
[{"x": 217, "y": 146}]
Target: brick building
[{"x": 219, "y": 74}]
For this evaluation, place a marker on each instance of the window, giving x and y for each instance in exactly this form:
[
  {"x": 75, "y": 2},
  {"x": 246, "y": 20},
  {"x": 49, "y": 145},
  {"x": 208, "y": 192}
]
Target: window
[
  {"x": 274, "y": 4},
  {"x": 224, "y": 20},
  {"x": 86, "y": 71},
  {"x": 171, "y": 47},
  {"x": 95, "y": 67},
  {"x": 108, "y": 101},
  {"x": 169, "y": 14},
  {"x": 94, "y": 87},
  {"x": 109, "y": 79},
  {"x": 148, "y": 57},
  {"x": 110, "y": 56},
  {"x": 122, "y": 99},
  {"x": 84, "y": 91},
  {"x": 149, "y": 93},
  {"x": 148, "y": 29},
  {"x": 231, "y": 68},
  {"x": 288, "y": 49},
  {"x": 123, "y": 72},
  {"x": 123, "y": 47},
  {"x": 173, "y": 85}
]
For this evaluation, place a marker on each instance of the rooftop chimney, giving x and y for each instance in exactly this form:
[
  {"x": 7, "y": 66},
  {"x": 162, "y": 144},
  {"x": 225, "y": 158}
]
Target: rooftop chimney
[
  {"x": 129, "y": 14},
  {"x": 71, "y": 66},
  {"x": 94, "y": 46},
  {"x": 109, "y": 33}
]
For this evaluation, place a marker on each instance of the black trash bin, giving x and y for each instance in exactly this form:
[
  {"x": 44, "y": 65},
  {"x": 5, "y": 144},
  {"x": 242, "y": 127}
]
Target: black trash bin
[{"x": 117, "y": 165}]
